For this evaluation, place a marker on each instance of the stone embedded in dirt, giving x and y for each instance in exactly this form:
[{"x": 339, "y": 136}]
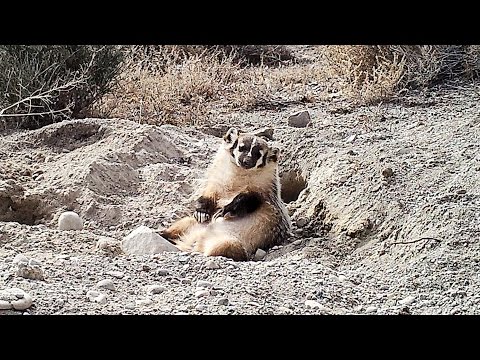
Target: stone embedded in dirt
[
  {"x": 106, "y": 284},
  {"x": 20, "y": 258},
  {"x": 204, "y": 284},
  {"x": 351, "y": 138},
  {"x": 34, "y": 262},
  {"x": 109, "y": 246},
  {"x": 144, "y": 240},
  {"x": 222, "y": 301},
  {"x": 301, "y": 222},
  {"x": 313, "y": 304},
  {"x": 144, "y": 302},
  {"x": 28, "y": 271},
  {"x": 341, "y": 278},
  {"x": 299, "y": 119},
  {"x": 259, "y": 254},
  {"x": 387, "y": 172},
  {"x": 408, "y": 300},
  {"x": 371, "y": 309},
  {"x": 96, "y": 296},
  {"x": 155, "y": 289},
  {"x": 285, "y": 310},
  {"x": 70, "y": 220},
  {"x": 212, "y": 265},
  {"x": 201, "y": 307},
  {"x": 15, "y": 298},
  {"x": 116, "y": 274},
  {"x": 163, "y": 272},
  {"x": 202, "y": 293}
]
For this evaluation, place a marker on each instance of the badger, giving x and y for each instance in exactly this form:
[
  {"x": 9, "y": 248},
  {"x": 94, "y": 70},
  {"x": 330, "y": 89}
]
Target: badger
[{"x": 239, "y": 209}]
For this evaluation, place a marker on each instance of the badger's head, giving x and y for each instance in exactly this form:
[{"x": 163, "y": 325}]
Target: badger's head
[{"x": 249, "y": 151}]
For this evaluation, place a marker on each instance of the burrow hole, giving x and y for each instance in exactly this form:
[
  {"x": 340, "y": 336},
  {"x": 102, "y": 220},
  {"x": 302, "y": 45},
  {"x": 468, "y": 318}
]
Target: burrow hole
[
  {"x": 292, "y": 183},
  {"x": 27, "y": 211}
]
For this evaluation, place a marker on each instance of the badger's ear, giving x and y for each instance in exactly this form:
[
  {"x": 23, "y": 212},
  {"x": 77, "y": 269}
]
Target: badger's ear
[
  {"x": 230, "y": 136},
  {"x": 273, "y": 154}
]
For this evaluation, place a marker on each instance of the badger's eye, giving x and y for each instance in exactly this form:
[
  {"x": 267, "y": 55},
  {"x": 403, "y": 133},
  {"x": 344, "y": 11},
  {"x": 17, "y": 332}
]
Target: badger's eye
[{"x": 242, "y": 148}]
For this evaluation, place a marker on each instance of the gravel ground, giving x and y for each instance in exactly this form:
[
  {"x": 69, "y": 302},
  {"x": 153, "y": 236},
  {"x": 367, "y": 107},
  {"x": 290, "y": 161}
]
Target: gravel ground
[{"x": 385, "y": 202}]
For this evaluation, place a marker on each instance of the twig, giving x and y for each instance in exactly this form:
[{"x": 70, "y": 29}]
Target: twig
[{"x": 414, "y": 241}]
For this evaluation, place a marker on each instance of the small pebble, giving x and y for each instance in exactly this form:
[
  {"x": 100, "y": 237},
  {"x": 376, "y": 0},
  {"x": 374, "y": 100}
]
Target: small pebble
[
  {"x": 204, "y": 284},
  {"x": 201, "y": 307},
  {"x": 212, "y": 265},
  {"x": 259, "y": 255},
  {"x": 387, "y": 172},
  {"x": 144, "y": 302},
  {"x": 116, "y": 274},
  {"x": 341, "y": 278},
  {"x": 163, "y": 272},
  {"x": 222, "y": 301},
  {"x": 285, "y": 310},
  {"x": 408, "y": 300},
  {"x": 70, "y": 220},
  {"x": 106, "y": 284},
  {"x": 20, "y": 258},
  {"x": 202, "y": 293},
  {"x": 370, "y": 309},
  {"x": 155, "y": 289}
]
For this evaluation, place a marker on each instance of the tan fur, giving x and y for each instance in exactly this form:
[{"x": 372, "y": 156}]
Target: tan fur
[{"x": 236, "y": 238}]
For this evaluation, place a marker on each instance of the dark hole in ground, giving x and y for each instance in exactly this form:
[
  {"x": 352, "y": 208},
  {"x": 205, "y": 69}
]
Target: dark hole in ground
[
  {"x": 292, "y": 185},
  {"x": 24, "y": 211}
]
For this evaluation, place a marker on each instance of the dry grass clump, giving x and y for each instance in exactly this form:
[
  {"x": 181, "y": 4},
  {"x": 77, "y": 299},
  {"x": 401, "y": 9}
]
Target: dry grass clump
[
  {"x": 189, "y": 84},
  {"x": 41, "y": 84},
  {"x": 379, "y": 72}
]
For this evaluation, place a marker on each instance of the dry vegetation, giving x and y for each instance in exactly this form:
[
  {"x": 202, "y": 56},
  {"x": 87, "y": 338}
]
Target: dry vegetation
[{"x": 193, "y": 84}]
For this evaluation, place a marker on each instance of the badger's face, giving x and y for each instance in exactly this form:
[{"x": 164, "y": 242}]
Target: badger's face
[{"x": 249, "y": 151}]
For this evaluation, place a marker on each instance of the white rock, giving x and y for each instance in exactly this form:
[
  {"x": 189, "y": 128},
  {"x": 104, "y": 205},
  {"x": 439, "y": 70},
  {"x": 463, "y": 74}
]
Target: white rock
[
  {"x": 116, "y": 274},
  {"x": 155, "y": 289},
  {"x": 20, "y": 258},
  {"x": 299, "y": 119},
  {"x": 314, "y": 304},
  {"x": 212, "y": 265},
  {"x": 144, "y": 302},
  {"x": 260, "y": 254},
  {"x": 144, "y": 240},
  {"x": 201, "y": 307},
  {"x": 109, "y": 246},
  {"x": 342, "y": 278},
  {"x": 5, "y": 305},
  {"x": 371, "y": 309},
  {"x": 106, "y": 284},
  {"x": 34, "y": 262},
  {"x": 70, "y": 220},
  {"x": 204, "y": 284},
  {"x": 24, "y": 303},
  {"x": 285, "y": 310},
  {"x": 202, "y": 293},
  {"x": 408, "y": 300},
  {"x": 351, "y": 138},
  {"x": 101, "y": 299},
  {"x": 130, "y": 306}
]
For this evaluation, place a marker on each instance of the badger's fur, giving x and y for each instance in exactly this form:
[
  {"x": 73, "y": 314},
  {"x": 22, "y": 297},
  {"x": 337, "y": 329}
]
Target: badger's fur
[{"x": 240, "y": 209}]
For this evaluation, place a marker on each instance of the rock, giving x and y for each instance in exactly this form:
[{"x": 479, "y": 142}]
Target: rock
[
  {"x": 14, "y": 298},
  {"x": 34, "y": 262},
  {"x": 259, "y": 255},
  {"x": 341, "y": 278},
  {"x": 20, "y": 258},
  {"x": 155, "y": 289},
  {"x": 212, "y": 265},
  {"x": 130, "y": 306},
  {"x": 202, "y": 293},
  {"x": 408, "y": 300},
  {"x": 5, "y": 305},
  {"x": 299, "y": 119},
  {"x": 387, "y": 172},
  {"x": 204, "y": 284},
  {"x": 371, "y": 309},
  {"x": 285, "y": 310},
  {"x": 144, "y": 240},
  {"x": 24, "y": 303},
  {"x": 314, "y": 304},
  {"x": 109, "y": 246},
  {"x": 163, "y": 272},
  {"x": 30, "y": 272},
  {"x": 116, "y": 274},
  {"x": 144, "y": 302},
  {"x": 301, "y": 222},
  {"x": 106, "y": 284},
  {"x": 70, "y": 220},
  {"x": 201, "y": 307},
  {"x": 351, "y": 138},
  {"x": 95, "y": 296},
  {"x": 222, "y": 301}
]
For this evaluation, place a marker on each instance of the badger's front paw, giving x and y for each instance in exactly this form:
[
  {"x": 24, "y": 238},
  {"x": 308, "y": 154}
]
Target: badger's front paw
[{"x": 204, "y": 209}]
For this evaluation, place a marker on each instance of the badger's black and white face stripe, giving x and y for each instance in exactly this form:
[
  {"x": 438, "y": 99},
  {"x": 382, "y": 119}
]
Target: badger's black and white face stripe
[{"x": 249, "y": 151}]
